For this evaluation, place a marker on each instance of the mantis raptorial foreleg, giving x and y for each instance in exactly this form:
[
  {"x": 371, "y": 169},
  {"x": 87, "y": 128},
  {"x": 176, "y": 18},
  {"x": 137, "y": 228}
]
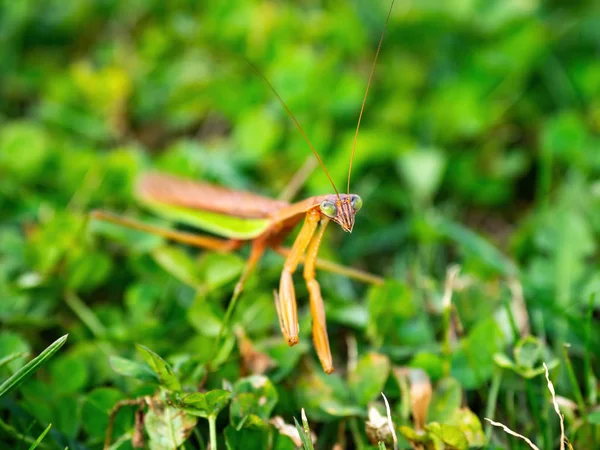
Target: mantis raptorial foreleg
[
  {"x": 226, "y": 245},
  {"x": 286, "y": 300},
  {"x": 258, "y": 246},
  {"x": 333, "y": 267},
  {"x": 307, "y": 241},
  {"x": 317, "y": 307}
]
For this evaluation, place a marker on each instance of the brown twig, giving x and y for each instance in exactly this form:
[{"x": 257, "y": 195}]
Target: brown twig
[{"x": 113, "y": 414}]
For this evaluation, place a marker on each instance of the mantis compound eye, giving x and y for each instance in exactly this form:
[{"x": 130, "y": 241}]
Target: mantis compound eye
[
  {"x": 328, "y": 208},
  {"x": 356, "y": 202}
]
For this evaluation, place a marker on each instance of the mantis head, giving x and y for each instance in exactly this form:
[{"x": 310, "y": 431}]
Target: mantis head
[{"x": 342, "y": 209}]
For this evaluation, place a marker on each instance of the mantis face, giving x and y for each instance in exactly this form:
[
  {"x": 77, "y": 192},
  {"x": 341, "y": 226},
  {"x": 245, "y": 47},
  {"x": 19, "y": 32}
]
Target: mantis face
[{"x": 342, "y": 209}]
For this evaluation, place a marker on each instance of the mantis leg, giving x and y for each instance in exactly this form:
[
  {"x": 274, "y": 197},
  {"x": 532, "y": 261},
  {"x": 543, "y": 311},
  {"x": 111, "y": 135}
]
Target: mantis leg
[
  {"x": 256, "y": 252},
  {"x": 285, "y": 301},
  {"x": 317, "y": 308},
  {"x": 195, "y": 240},
  {"x": 333, "y": 267},
  {"x": 258, "y": 249}
]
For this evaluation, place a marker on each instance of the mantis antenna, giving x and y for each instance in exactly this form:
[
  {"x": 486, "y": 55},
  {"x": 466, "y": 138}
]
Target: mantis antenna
[
  {"x": 367, "y": 93},
  {"x": 289, "y": 112}
]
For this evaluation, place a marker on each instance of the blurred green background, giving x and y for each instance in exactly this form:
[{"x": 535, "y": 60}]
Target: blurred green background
[{"x": 479, "y": 147}]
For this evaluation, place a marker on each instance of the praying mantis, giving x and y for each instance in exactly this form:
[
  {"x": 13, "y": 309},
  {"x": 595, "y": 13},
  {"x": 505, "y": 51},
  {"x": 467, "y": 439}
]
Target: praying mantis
[{"x": 239, "y": 217}]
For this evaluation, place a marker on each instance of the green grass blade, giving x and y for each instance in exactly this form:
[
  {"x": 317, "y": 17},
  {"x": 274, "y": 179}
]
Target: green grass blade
[
  {"x": 304, "y": 433},
  {"x": 39, "y": 439},
  {"x": 574, "y": 383},
  {"x": 28, "y": 369},
  {"x": 85, "y": 314}
]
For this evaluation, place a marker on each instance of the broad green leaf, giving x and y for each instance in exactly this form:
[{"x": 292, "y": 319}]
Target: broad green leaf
[
  {"x": 469, "y": 424},
  {"x": 429, "y": 362},
  {"x": 594, "y": 418},
  {"x": 17, "y": 136},
  {"x": 422, "y": 171},
  {"x": 412, "y": 435},
  {"x": 564, "y": 135},
  {"x": 162, "y": 369},
  {"x": 473, "y": 362},
  {"x": 141, "y": 299},
  {"x": 253, "y": 401},
  {"x": 32, "y": 366},
  {"x": 167, "y": 427},
  {"x": 66, "y": 415},
  {"x": 537, "y": 371},
  {"x": 504, "y": 361},
  {"x": 206, "y": 404},
  {"x": 129, "y": 368},
  {"x": 450, "y": 435},
  {"x": 12, "y": 343},
  {"x": 286, "y": 357},
  {"x": 88, "y": 270},
  {"x": 38, "y": 397},
  {"x": 218, "y": 269},
  {"x": 57, "y": 239},
  {"x": 96, "y": 409},
  {"x": 369, "y": 377},
  {"x": 528, "y": 351},
  {"x": 337, "y": 408},
  {"x": 69, "y": 374},
  {"x": 258, "y": 131},
  {"x": 206, "y": 317},
  {"x": 222, "y": 355},
  {"x": 257, "y": 316},
  {"x": 132, "y": 239},
  {"x": 447, "y": 398},
  {"x": 397, "y": 318},
  {"x": 476, "y": 246},
  {"x": 178, "y": 263},
  {"x": 246, "y": 438},
  {"x": 325, "y": 396}
]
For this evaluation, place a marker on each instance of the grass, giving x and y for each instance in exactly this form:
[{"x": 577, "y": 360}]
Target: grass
[{"x": 478, "y": 166}]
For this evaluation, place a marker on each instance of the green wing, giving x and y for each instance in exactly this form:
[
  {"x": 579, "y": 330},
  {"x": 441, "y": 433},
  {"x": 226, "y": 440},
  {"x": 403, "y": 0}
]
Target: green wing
[{"x": 219, "y": 224}]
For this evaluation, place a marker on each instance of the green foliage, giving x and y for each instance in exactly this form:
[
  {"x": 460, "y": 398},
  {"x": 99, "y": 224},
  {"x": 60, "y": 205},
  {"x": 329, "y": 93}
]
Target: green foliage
[
  {"x": 368, "y": 379},
  {"x": 479, "y": 146},
  {"x": 205, "y": 405},
  {"x": 528, "y": 352},
  {"x": 96, "y": 409}
]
